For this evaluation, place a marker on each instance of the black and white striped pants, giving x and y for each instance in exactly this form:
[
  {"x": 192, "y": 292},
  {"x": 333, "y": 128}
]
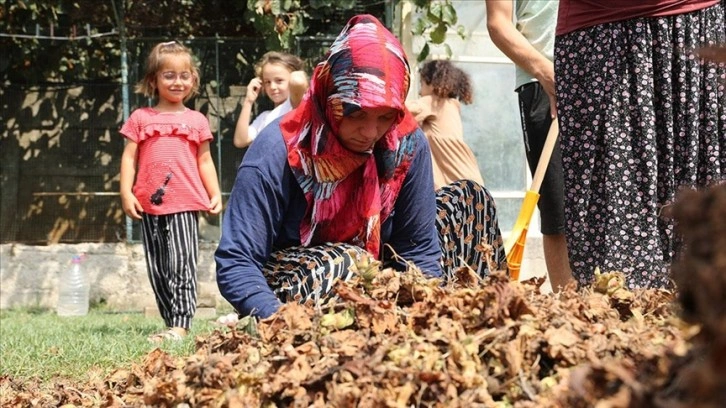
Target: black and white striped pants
[
  {"x": 468, "y": 230},
  {"x": 171, "y": 243}
]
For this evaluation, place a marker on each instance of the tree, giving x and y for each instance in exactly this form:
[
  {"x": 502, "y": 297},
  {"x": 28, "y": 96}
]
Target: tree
[
  {"x": 290, "y": 18},
  {"x": 77, "y": 40}
]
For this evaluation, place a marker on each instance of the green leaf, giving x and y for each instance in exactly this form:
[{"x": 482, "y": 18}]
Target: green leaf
[
  {"x": 424, "y": 53},
  {"x": 273, "y": 43},
  {"x": 448, "y": 14},
  {"x": 435, "y": 11},
  {"x": 286, "y": 39},
  {"x": 449, "y": 53},
  {"x": 255, "y": 5},
  {"x": 421, "y": 3},
  {"x": 346, "y": 4},
  {"x": 419, "y": 26},
  {"x": 461, "y": 31},
  {"x": 249, "y": 326},
  {"x": 288, "y": 4},
  {"x": 438, "y": 36},
  {"x": 297, "y": 25}
]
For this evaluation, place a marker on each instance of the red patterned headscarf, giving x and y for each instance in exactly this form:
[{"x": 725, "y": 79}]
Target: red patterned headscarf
[{"x": 350, "y": 194}]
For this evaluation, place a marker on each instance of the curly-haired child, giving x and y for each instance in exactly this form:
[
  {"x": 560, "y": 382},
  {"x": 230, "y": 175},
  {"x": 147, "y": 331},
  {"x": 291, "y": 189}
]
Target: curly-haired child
[{"x": 444, "y": 87}]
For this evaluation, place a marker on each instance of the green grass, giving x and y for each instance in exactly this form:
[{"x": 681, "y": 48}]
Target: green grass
[{"x": 40, "y": 345}]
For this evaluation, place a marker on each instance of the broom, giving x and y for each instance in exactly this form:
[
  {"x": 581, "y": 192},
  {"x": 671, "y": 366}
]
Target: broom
[{"x": 515, "y": 244}]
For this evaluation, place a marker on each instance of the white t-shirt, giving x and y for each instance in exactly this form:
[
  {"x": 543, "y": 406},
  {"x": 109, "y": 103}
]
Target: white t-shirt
[
  {"x": 536, "y": 20},
  {"x": 264, "y": 118}
]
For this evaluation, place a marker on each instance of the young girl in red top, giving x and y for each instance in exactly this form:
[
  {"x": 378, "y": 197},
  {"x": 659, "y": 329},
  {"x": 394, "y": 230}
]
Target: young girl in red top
[{"x": 167, "y": 177}]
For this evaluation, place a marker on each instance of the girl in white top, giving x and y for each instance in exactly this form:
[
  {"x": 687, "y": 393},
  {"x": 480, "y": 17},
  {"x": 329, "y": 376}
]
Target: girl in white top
[{"x": 281, "y": 77}]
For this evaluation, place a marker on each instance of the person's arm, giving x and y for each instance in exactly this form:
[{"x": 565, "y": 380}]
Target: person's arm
[
  {"x": 514, "y": 45},
  {"x": 420, "y": 108},
  {"x": 208, "y": 174},
  {"x": 414, "y": 237},
  {"x": 129, "y": 202},
  {"x": 242, "y": 130},
  {"x": 252, "y": 220}
]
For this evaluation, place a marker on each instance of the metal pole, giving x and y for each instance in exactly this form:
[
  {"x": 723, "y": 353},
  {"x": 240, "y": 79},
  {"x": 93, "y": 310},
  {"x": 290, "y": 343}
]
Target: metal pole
[
  {"x": 120, "y": 16},
  {"x": 390, "y": 13},
  {"x": 219, "y": 122}
]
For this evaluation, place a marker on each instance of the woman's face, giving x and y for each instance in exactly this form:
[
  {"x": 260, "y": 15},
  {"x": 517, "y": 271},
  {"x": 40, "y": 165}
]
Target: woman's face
[
  {"x": 276, "y": 80},
  {"x": 360, "y": 130}
]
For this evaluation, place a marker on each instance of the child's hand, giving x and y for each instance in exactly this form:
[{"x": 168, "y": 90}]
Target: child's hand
[
  {"x": 253, "y": 90},
  {"x": 132, "y": 206},
  {"x": 215, "y": 204},
  {"x": 298, "y": 85}
]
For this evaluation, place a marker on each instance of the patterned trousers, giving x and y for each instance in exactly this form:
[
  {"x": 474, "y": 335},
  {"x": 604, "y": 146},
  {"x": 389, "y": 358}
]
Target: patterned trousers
[{"x": 171, "y": 244}]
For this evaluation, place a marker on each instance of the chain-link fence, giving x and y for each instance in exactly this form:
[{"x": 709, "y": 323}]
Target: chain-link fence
[{"x": 61, "y": 150}]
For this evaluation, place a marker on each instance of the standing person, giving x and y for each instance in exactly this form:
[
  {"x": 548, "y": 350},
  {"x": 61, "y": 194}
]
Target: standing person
[
  {"x": 346, "y": 174},
  {"x": 281, "y": 77},
  {"x": 167, "y": 177},
  {"x": 444, "y": 87},
  {"x": 525, "y": 32},
  {"x": 640, "y": 118}
]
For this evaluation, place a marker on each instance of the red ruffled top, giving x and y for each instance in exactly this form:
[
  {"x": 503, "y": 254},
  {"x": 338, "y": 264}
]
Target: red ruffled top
[{"x": 167, "y": 178}]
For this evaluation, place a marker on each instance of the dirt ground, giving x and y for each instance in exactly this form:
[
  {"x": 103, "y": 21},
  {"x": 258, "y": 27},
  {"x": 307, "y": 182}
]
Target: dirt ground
[{"x": 401, "y": 340}]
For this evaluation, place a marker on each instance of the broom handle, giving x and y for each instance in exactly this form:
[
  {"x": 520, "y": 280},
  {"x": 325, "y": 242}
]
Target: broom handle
[{"x": 544, "y": 158}]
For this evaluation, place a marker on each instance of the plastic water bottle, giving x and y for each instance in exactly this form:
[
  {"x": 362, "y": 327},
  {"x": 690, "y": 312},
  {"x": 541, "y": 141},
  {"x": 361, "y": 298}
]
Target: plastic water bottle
[{"x": 73, "y": 290}]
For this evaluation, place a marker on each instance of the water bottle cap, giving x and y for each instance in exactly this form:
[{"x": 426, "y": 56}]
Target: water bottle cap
[{"x": 78, "y": 258}]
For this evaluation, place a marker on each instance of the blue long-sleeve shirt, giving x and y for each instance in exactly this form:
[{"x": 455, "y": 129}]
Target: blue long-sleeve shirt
[{"x": 267, "y": 205}]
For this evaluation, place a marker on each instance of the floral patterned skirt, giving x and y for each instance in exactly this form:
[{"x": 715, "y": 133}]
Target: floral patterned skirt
[{"x": 640, "y": 119}]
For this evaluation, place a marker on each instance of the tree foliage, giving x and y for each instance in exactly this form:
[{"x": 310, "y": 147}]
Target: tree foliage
[
  {"x": 436, "y": 17},
  {"x": 291, "y": 18},
  {"x": 78, "y": 40}
]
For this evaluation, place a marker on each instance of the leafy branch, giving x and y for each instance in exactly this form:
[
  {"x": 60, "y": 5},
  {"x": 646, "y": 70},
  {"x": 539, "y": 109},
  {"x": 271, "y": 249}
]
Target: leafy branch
[
  {"x": 279, "y": 22},
  {"x": 288, "y": 18},
  {"x": 436, "y": 16}
]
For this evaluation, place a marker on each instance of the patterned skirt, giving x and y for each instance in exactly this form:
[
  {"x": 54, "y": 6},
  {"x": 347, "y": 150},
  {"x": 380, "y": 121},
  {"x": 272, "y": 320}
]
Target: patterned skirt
[
  {"x": 640, "y": 119},
  {"x": 469, "y": 236}
]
